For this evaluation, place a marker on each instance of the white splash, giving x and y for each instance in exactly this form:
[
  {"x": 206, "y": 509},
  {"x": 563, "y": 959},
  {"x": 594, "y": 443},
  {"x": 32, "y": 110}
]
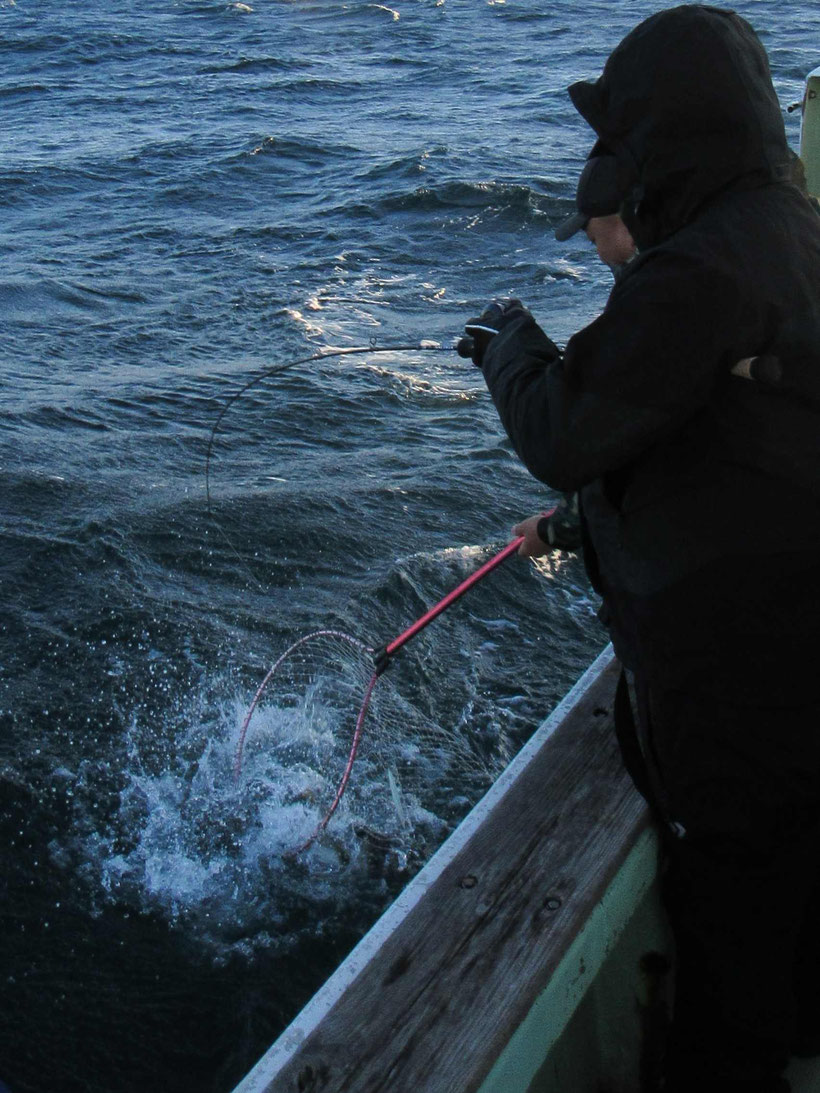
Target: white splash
[{"x": 201, "y": 848}]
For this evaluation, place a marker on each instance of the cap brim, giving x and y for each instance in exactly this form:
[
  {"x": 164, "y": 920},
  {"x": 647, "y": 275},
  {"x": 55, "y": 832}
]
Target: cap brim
[{"x": 575, "y": 222}]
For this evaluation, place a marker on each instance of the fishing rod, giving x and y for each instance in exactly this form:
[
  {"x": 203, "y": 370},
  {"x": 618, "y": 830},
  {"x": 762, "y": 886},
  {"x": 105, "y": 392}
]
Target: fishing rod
[{"x": 278, "y": 369}]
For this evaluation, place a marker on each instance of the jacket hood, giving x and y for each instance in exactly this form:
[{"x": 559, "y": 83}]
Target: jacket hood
[{"x": 687, "y": 106}]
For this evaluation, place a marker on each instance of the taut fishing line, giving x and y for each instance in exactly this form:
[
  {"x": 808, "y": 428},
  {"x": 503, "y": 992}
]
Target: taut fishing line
[{"x": 324, "y": 688}]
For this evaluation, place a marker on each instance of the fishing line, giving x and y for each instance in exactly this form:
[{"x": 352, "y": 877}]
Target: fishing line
[{"x": 276, "y": 370}]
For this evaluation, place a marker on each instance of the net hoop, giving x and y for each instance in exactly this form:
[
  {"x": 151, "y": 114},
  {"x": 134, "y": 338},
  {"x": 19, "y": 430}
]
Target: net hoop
[
  {"x": 361, "y": 647},
  {"x": 354, "y": 747}
]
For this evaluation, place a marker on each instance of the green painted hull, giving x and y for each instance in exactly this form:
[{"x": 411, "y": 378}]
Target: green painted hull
[{"x": 810, "y": 133}]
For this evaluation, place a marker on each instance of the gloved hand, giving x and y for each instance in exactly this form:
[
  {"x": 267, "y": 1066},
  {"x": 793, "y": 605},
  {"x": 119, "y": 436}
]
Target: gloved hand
[{"x": 490, "y": 322}]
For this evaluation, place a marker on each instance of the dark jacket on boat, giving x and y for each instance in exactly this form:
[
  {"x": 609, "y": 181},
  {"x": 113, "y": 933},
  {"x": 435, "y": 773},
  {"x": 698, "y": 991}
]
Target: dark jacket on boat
[{"x": 700, "y": 488}]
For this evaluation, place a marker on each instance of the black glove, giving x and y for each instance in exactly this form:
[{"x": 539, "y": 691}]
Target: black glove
[{"x": 481, "y": 331}]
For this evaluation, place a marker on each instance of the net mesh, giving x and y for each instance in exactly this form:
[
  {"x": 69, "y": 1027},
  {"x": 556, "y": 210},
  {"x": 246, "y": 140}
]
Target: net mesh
[{"x": 352, "y": 739}]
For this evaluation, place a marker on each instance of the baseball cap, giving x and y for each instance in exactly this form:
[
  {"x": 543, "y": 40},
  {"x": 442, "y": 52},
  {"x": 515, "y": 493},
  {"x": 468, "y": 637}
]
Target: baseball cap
[{"x": 598, "y": 194}]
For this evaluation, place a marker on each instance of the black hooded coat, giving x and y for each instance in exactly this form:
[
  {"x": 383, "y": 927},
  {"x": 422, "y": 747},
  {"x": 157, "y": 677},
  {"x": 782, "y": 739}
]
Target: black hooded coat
[
  {"x": 700, "y": 488},
  {"x": 700, "y": 498}
]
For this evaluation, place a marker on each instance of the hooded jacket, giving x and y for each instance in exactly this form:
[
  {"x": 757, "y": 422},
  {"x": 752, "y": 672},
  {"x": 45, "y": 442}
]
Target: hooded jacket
[{"x": 693, "y": 480}]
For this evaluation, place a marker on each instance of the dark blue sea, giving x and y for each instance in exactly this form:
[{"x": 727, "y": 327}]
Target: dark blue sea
[{"x": 192, "y": 192}]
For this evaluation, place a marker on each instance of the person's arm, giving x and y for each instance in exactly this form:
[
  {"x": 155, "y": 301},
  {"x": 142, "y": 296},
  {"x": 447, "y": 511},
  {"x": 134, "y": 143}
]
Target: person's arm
[{"x": 627, "y": 381}]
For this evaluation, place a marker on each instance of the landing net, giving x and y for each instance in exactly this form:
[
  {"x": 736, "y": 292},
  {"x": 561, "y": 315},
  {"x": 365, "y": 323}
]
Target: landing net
[{"x": 323, "y": 707}]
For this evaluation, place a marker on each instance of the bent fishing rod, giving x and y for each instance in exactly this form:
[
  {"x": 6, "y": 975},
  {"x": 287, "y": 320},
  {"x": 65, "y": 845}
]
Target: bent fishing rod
[
  {"x": 320, "y": 355},
  {"x": 464, "y": 348}
]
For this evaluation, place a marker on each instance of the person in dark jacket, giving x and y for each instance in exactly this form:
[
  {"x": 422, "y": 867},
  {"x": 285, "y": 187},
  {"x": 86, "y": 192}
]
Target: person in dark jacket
[{"x": 687, "y": 415}]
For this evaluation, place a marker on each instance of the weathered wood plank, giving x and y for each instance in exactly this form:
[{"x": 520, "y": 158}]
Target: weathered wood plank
[{"x": 436, "y": 1006}]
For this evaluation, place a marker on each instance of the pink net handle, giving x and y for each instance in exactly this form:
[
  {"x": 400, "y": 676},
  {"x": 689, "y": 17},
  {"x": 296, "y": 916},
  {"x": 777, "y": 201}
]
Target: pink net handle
[
  {"x": 496, "y": 560},
  {"x": 382, "y": 660}
]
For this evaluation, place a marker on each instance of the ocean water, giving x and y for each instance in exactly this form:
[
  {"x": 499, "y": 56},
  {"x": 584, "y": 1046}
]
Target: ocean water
[{"x": 193, "y": 192}]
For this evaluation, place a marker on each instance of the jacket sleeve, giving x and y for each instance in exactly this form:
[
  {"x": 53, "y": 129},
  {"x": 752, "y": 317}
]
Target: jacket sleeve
[{"x": 627, "y": 381}]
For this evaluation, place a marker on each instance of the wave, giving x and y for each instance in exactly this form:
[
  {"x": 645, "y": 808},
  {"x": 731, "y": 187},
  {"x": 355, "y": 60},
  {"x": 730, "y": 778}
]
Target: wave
[
  {"x": 256, "y": 64},
  {"x": 405, "y": 166},
  {"x": 311, "y": 152},
  {"x": 456, "y": 194},
  {"x": 23, "y": 89},
  {"x": 33, "y": 301}
]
